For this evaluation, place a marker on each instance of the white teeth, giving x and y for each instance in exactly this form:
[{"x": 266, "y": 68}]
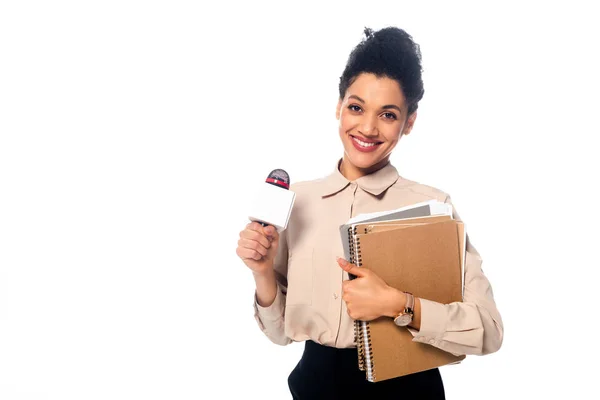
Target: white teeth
[{"x": 364, "y": 144}]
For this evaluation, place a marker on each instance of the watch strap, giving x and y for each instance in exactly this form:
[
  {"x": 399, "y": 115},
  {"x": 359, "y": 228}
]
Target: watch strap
[{"x": 410, "y": 303}]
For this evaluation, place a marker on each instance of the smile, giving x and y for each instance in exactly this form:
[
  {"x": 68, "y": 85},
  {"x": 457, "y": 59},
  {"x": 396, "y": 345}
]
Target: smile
[{"x": 364, "y": 146}]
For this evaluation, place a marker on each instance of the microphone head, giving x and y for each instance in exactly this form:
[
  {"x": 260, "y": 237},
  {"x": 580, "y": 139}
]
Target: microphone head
[{"x": 279, "y": 178}]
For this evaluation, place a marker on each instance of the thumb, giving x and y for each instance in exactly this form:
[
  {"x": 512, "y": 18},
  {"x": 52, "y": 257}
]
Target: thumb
[
  {"x": 350, "y": 268},
  {"x": 270, "y": 232}
]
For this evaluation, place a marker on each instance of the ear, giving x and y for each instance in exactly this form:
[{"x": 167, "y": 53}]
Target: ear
[
  {"x": 410, "y": 122},
  {"x": 338, "y": 109}
]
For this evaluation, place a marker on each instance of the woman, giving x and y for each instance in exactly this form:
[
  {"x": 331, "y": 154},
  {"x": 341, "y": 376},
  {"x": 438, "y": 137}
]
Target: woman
[{"x": 302, "y": 288}]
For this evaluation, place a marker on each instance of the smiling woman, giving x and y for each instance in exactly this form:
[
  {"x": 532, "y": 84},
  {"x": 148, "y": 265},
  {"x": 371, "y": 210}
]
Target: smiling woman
[
  {"x": 302, "y": 288},
  {"x": 372, "y": 119}
]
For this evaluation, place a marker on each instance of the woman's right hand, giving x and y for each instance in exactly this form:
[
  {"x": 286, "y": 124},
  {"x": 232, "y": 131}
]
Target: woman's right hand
[{"x": 257, "y": 247}]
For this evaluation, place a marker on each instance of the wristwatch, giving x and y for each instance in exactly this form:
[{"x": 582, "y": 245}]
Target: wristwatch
[{"x": 405, "y": 317}]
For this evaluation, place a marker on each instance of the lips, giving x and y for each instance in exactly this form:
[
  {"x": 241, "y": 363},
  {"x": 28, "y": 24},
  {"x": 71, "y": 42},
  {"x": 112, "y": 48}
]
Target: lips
[{"x": 365, "y": 145}]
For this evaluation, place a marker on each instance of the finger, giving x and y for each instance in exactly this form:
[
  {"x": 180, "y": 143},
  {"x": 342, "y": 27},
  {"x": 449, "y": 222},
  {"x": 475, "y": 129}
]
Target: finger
[
  {"x": 248, "y": 254},
  {"x": 345, "y": 286},
  {"x": 352, "y": 314},
  {"x": 350, "y": 268},
  {"x": 255, "y": 226},
  {"x": 256, "y": 236},
  {"x": 253, "y": 245},
  {"x": 346, "y": 298}
]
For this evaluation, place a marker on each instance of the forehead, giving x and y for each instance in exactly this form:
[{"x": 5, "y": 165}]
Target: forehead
[{"x": 376, "y": 90}]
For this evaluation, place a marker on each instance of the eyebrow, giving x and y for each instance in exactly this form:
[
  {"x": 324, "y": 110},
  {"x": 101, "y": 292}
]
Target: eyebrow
[{"x": 386, "y": 107}]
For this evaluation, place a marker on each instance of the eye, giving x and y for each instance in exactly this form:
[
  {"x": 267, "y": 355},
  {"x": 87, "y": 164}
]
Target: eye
[
  {"x": 354, "y": 107},
  {"x": 389, "y": 115}
]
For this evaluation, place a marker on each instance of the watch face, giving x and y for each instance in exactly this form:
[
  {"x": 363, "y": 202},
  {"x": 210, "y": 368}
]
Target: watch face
[{"x": 403, "y": 320}]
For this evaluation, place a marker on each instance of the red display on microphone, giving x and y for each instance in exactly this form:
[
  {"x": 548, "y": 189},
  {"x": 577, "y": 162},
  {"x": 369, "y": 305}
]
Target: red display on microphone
[
  {"x": 278, "y": 183},
  {"x": 280, "y": 178}
]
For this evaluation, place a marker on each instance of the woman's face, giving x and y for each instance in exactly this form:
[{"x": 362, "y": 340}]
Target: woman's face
[{"x": 372, "y": 119}]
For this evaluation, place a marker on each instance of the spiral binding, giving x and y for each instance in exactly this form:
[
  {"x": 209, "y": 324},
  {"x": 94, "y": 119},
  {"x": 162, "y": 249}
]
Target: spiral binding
[
  {"x": 370, "y": 363},
  {"x": 362, "y": 331},
  {"x": 358, "y": 336}
]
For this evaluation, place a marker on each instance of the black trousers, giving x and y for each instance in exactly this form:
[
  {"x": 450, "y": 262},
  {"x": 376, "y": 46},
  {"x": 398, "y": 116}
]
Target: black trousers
[{"x": 329, "y": 373}]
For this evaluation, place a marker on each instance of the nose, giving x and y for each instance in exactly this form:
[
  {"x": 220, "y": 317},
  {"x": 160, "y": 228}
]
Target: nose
[{"x": 368, "y": 126}]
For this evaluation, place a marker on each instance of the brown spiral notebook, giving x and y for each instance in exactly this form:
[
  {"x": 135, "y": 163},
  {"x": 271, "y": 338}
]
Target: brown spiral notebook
[{"x": 424, "y": 256}]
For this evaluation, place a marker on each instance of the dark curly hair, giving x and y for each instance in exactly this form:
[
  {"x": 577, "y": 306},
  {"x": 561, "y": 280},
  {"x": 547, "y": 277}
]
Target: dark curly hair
[{"x": 391, "y": 53}]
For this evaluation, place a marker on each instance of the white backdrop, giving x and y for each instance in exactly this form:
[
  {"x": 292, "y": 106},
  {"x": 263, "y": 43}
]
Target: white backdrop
[{"x": 132, "y": 131}]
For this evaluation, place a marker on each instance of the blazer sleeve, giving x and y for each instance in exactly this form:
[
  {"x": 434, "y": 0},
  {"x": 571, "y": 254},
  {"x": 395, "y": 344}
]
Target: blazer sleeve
[
  {"x": 271, "y": 320},
  {"x": 473, "y": 326}
]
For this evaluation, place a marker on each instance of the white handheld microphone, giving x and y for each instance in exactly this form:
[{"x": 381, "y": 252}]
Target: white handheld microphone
[{"x": 273, "y": 201}]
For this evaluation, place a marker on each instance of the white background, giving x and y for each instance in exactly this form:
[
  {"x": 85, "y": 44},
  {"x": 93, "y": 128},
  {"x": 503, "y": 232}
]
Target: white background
[{"x": 131, "y": 133}]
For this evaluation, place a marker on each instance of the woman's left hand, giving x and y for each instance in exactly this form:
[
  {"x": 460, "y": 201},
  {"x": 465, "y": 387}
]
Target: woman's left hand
[{"x": 367, "y": 296}]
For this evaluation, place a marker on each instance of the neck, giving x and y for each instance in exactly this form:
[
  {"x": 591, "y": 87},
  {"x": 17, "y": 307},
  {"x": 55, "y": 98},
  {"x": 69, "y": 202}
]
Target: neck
[{"x": 352, "y": 172}]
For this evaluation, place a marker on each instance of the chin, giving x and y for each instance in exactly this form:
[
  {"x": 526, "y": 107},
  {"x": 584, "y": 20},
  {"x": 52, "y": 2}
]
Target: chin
[{"x": 364, "y": 161}]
